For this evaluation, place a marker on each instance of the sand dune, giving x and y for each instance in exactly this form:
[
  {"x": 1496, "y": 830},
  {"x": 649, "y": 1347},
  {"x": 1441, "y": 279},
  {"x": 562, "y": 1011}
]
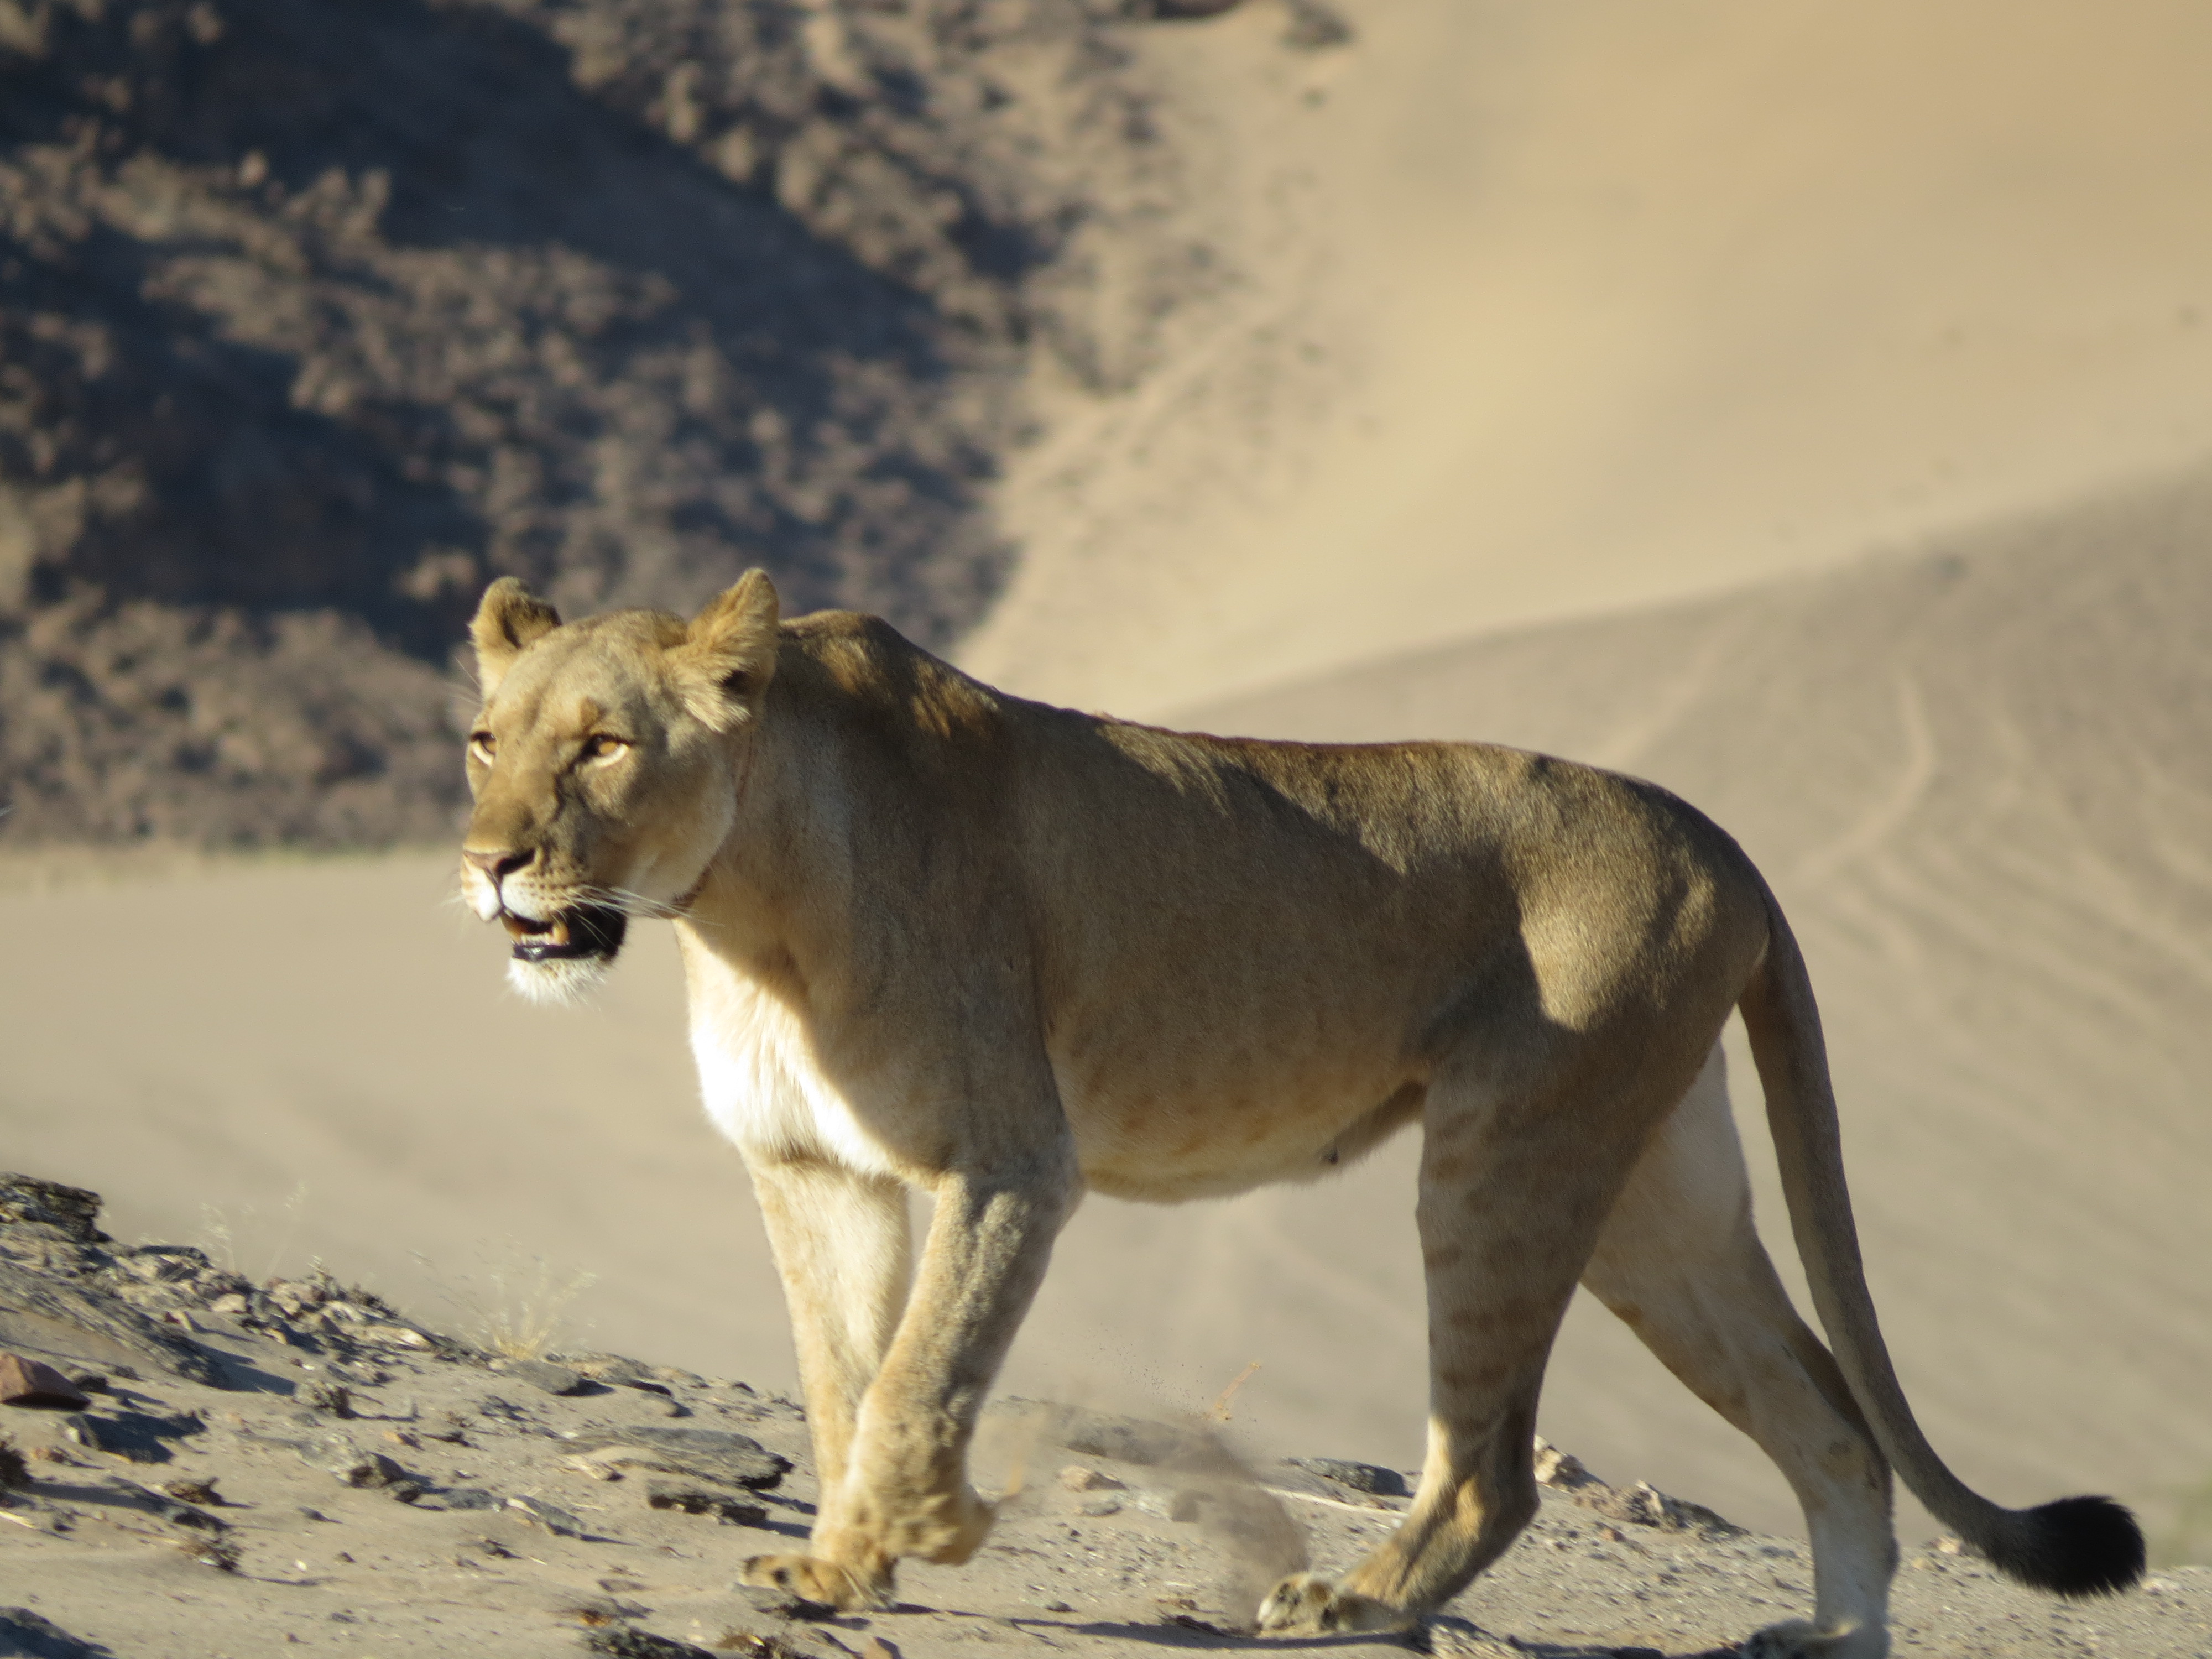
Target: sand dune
[{"x": 1533, "y": 312}]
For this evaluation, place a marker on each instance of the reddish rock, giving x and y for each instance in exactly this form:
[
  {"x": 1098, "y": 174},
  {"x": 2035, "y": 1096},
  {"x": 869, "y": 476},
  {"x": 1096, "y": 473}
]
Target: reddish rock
[{"x": 27, "y": 1383}]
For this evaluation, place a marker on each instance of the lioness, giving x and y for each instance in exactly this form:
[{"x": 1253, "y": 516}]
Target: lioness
[{"x": 937, "y": 936}]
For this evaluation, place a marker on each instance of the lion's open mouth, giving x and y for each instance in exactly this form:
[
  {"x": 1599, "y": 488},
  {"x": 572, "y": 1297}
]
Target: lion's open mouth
[{"x": 586, "y": 930}]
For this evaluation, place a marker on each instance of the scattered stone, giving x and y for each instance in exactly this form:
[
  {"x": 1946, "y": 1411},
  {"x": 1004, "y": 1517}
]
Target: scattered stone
[
  {"x": 194, "y": 1491},
  {"x": 335, "y": 1398},
  {"x": 1098, "y": 1507},
  {"x": 223, "y": 1554},
  {"x": 458, "y": 1498},
  {"x": 31, "y": 1383},
  {"x": 1645, "y": 1505},
  {"x": 704, "y": 1453},
  {"x": 592, "y": 1468},
  {"x": 75, "y": 1315},
  {"x": 1371, "y": 1478},
  {"x": 341, "y": 1456},
  {"x": 687, "y": 1500},
  {"x": 161, "y": 1505},
  {"x": 1561, "y": 1469},
  {"x": 541, "y": 1374},
  {"x": 555, "y": 1519},
  {"x": 1078, "y": 1477},
  {"x": 628, "y": 1642},
  {"x": 70, "y": 1211},
  {"x": 597, "y": 1614},
  {"x": 620, "y": 1371},
  {"x": 32, "y": 1635},
  {"x": 137, "y": 1436}
]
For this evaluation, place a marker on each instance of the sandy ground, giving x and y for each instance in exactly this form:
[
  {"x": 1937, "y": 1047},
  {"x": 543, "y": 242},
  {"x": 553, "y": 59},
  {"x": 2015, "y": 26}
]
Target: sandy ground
[
  {"x": 1563, "y": 315},
  {"x": 333, "y": 1481}
]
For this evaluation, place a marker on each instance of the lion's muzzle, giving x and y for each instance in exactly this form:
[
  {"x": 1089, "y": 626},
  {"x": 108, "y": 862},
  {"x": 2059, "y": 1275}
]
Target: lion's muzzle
[{"x": 582, "y": 931}]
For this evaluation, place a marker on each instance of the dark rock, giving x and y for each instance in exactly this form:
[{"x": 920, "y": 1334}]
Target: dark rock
[
  {"x": 27, "y": 1635},
  {"x": 458, "y": 1498},
  {"x": 541, "y": 1374},
  {"x": 628, "y": 1642},
  {"x": 1645, "y": 1505},
  {"x": 31, "y": 1383},
  {"x": 710, "y": 1454},
  {"x": 138, "y": 1436},
  {"x": 164, "y": 1507},
  {"x": 687, "y": 1500},
  {"x": 70, "y": 1211},
  {"x": 63, "y": 1316},
  {"x": 339, "y": 1454},
  {"x": 617, "y": 1369},
  {"x": 1360, "y": 1477},
  {"x": 334, "y": 1398}
]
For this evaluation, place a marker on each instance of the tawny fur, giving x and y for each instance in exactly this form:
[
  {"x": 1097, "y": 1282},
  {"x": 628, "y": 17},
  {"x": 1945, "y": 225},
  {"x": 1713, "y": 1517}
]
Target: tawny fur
[{"x": 938, "y": 937}]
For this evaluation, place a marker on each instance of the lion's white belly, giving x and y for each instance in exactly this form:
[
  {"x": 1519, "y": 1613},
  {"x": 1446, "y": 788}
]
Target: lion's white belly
[{"x": 759, "y": 1081}]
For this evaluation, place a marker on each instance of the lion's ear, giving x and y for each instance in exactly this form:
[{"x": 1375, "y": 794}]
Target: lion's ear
[
  {"x": 510, "y": 618},
  {"x": 728, "y": 654}
]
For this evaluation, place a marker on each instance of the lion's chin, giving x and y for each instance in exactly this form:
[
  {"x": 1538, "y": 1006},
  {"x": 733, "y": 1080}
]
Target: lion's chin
[
  {"x": 562, "y": 959},
  {"x": 559, "y": 981}
]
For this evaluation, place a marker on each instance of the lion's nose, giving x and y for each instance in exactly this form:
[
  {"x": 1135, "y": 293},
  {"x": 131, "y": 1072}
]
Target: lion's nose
[{"x": 495, "y": 864}]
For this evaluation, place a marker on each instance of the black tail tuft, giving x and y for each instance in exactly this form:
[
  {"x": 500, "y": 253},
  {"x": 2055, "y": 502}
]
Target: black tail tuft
[{"x": 2074, "y": 1546}]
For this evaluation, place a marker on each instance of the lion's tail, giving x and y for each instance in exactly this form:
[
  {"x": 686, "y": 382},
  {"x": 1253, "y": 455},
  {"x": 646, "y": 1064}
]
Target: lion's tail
[{"x": 2076, "y": 1545}]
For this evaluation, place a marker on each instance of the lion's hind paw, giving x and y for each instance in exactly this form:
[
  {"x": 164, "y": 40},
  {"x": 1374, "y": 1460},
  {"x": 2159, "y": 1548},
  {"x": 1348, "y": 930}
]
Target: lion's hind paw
[
  {"x": 1307, "y": 1604},
  {"x": 811, "y": 1578}
]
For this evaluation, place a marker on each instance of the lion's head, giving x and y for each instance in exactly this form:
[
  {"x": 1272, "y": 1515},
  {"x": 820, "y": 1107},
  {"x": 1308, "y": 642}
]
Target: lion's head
[{"x": 604, "y": 765}]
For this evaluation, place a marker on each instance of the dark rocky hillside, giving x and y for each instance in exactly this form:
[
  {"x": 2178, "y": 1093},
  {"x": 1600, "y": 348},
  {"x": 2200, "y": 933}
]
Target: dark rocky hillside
[{"x": 315, "y": 318}]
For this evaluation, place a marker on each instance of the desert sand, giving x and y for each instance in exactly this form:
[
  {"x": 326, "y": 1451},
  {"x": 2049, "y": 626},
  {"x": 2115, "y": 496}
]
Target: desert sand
[
  {"x": 243, "y": 1468},
  {"x": 1802, "y": 407}
]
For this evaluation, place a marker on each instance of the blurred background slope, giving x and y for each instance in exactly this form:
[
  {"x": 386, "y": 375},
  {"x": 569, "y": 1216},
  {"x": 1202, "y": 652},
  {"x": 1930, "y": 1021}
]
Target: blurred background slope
[{"x": 315, "y": 318}]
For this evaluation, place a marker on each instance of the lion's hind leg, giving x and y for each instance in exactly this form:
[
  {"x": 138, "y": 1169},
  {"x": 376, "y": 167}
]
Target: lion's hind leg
[
  {"x": 1680, "y": 1262},
  {"x": 1515, "y": 1185}
]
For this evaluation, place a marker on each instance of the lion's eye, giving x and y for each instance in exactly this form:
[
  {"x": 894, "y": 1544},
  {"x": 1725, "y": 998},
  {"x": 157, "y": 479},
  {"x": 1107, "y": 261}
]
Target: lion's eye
[
  {"x": 600, "y": 745},
  {"x": 484, "y": 745}
]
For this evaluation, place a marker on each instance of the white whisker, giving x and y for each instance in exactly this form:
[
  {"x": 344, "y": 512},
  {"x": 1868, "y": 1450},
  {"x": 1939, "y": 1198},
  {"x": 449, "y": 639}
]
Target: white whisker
[{"x": 631, "y": 903}]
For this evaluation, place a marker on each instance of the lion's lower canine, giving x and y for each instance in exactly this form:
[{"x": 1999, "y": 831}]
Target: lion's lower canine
[{"x": 939, "y": 937}]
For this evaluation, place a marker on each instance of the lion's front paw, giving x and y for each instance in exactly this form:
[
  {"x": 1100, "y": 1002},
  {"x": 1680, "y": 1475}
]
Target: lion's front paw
[
  {"x": 813, "y": 1579},
  {"x": 1799, "y": 1639},
  {"x": 1307, "y": 1604}
]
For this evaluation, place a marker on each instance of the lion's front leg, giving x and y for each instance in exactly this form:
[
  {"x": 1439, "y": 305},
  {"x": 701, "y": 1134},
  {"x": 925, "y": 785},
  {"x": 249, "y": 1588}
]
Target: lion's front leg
[{"x": 904, "y": 1488}]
